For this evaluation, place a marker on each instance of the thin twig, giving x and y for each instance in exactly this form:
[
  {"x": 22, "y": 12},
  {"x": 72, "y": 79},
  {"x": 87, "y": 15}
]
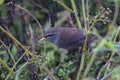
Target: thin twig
[
  {"x": 62, "y": 4},
  {"x": 8, "y": 51},
  {"x": 84, "y": 14},
  {"x": 111, "y": 25},
  {"x": 93, "y": 58},
  {"x": 7, "y": 67},
  {"x": 76, "y": 14},
  {"x": 16, "y": 64},
  {"x": 15, "y": 40}
]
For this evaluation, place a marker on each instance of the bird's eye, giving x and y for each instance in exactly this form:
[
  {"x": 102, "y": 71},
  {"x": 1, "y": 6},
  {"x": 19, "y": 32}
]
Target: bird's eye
[{"x": 49, "y": 34}]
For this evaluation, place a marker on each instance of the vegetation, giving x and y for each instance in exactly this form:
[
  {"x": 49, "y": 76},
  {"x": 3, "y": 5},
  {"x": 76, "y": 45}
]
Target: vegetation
[{"x": 25, "y": 57}]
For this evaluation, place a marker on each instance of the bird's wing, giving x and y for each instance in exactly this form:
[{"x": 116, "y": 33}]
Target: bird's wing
[
  {"x": 71, "y": 37},
  {"x": 77, "y": 38}
]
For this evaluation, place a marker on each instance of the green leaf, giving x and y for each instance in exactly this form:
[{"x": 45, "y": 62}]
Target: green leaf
[
  {"x": 14, "y": 50},
  {"x": 110, "y": 45},
  {"x": 116, "y": 73},
  {"x": 61, "y": 72},
  {"x": 1, "y": 2}
]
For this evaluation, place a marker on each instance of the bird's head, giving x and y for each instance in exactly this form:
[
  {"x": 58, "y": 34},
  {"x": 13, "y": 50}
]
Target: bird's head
[{"x": 50, "y": 35}]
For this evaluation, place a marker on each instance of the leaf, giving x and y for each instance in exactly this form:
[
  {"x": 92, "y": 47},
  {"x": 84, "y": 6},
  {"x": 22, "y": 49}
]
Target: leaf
[
  {"x": 116, "y": 73},
  {"x": 14, "y": 50},
  {"x": 110, "y": 45},
  {"x": 1, "y": 2}
]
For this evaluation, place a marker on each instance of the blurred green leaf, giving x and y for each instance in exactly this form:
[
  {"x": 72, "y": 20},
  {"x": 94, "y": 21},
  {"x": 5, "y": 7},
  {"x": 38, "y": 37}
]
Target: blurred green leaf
[
  {"x": 61, "y": 72},
  {"x": 1, "y": 2},
  {"x": 116, "y": 73},
  {"x": 4, "y": 11},
  {"x": 20, "y": 73},
  {"x": 14, "y": 50},
  {"x": 110, "y": 45},
  {"x": 2, "y": 75}
]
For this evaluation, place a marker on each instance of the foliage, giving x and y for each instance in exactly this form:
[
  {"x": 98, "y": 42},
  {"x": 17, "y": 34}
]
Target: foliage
[{"x": 24, "y": 57}]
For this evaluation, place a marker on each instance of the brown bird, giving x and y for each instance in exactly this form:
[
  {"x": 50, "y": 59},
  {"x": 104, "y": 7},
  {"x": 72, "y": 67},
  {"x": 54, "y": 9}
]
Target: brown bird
[{"x": 67, "y": 38}]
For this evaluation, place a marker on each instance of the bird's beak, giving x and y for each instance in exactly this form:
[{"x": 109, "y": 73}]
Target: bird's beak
[{"x": 43, "y": 38}]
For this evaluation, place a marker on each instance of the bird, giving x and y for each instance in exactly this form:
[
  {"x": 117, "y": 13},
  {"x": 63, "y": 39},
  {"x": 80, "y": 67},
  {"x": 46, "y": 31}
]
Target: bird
[
  {"x": 71, "y": 39},
  {"x": 67, "y": 37}
]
